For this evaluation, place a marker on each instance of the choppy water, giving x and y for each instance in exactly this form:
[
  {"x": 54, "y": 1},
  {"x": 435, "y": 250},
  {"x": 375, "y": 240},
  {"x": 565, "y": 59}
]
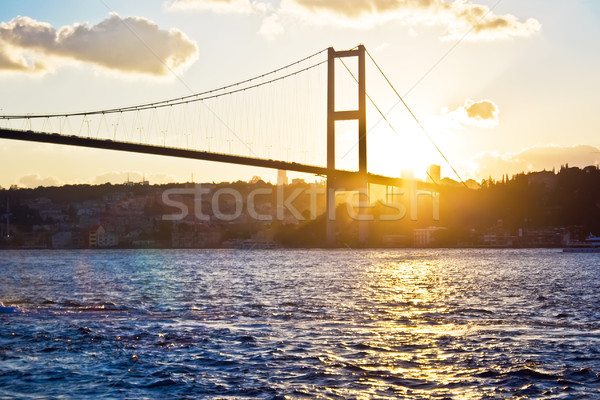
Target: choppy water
[{"x": 453, "y": 324}]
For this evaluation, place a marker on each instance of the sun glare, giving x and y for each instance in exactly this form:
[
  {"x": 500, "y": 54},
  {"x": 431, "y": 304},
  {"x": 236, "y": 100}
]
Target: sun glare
[{"x": 409, "y": 149}]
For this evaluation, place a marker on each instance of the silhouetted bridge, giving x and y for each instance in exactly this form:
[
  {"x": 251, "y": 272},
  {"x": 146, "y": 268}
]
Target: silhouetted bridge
[{"x": 150, "y": 126}]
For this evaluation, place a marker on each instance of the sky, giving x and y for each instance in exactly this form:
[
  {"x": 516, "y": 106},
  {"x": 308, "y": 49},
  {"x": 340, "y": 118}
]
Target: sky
[{"x": 499, "y": 86}]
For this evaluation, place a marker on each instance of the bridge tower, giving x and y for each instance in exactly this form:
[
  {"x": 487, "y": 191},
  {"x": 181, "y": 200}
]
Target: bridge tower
[{"x": 360, "y": 115}]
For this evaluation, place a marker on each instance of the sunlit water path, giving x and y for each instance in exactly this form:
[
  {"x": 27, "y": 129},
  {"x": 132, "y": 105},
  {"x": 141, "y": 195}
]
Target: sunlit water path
[{"x": 456, "y": 324}]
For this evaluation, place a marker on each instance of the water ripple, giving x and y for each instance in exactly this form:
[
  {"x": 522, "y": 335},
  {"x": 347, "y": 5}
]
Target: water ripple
[{"x": 418, "y": 324}]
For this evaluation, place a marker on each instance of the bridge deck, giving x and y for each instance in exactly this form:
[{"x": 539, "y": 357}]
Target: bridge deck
[{"x": 344, "y": 179}]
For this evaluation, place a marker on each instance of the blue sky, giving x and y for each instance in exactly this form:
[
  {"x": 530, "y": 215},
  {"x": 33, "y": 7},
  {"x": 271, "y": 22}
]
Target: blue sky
[{"x": 537, "y": 77}]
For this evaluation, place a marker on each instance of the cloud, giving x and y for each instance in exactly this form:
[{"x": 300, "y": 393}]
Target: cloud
[
  {"x": 534, "y": 158},
  {"x": 271, "y": 27},
  {"x": 456, "y": 18},
  {"x": 486, "y": 25},
  {"x": 8, "y": 64},
  {"x": 382, "y": 47},
  {"x": 482, "y": 114},
  {"x": 35, "y": 180},
  {"x": 132, "y": 45},
  {"x": 115, "y": 177},
  {"x": 218, "y": 6}
]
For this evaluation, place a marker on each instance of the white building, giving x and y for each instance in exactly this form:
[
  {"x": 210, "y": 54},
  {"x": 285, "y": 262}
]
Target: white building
[{"x": 100, "y": 238}]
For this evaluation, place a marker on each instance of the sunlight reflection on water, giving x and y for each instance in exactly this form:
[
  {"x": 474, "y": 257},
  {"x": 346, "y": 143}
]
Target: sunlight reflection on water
[{"x": 309, "y": 323}]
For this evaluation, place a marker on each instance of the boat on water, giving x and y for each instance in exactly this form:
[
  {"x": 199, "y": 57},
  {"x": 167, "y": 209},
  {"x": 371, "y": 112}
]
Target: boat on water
[
  {"x": 256, "y": 245},
  {"x": 249, "y": 244},
  {"x": 589, "y": 245}
]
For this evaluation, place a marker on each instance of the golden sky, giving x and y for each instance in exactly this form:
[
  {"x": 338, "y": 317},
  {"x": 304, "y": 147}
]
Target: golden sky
[{"x": 501, "y": 86}]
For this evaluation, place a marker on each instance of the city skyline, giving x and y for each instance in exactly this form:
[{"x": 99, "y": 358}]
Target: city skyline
[{"x": 501, "y": 87}]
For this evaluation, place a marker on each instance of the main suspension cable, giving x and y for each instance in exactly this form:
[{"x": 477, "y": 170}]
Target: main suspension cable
[
  {"x": 370, "y": 99},
  {"x": 383, "y": 116},
  {"x": 417, "y": 120},
  {"x": 184, "y": 99}
]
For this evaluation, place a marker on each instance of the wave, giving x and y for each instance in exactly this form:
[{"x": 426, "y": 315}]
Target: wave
[{"x": 10, "y": 309}]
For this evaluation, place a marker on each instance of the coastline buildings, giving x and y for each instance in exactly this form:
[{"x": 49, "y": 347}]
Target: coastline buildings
[{"x": 540, "y": 209}]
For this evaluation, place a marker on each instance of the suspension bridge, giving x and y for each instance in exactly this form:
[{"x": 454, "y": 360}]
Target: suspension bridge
[{"x": 260, "y": 122}]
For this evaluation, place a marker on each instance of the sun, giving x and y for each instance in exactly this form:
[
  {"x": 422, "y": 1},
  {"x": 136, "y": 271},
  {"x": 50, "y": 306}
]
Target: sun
[{"x": 407, "y": 150}]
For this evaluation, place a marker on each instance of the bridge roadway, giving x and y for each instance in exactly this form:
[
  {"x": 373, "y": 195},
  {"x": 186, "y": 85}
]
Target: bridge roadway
[{"x": 343, "y": 179}]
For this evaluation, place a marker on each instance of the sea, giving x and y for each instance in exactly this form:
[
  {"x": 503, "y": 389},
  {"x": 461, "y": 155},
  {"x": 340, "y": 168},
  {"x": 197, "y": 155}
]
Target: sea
[{"x": 299, "y": 324}]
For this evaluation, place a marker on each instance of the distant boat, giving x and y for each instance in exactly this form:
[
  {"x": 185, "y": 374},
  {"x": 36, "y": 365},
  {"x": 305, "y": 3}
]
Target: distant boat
[
  {"x": 256, "y": 245},
  {"x": 589, "y": 245}
]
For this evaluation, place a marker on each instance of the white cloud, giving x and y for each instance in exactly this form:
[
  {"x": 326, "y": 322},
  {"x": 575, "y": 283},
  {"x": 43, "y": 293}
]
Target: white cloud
[
  {"x": 483, "y": 113},
  {"x": 464, "y": 15},
  {"x": 218, "y": 6},
  {"x": 382, "y": 47},
  {"x": 35, "y": 180},
  {"x": 132, "y": 45},
  {"x": 534, "y": 158},
  {"x": 456, "y": 18},
  {"x": 271, "y": 27}
]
